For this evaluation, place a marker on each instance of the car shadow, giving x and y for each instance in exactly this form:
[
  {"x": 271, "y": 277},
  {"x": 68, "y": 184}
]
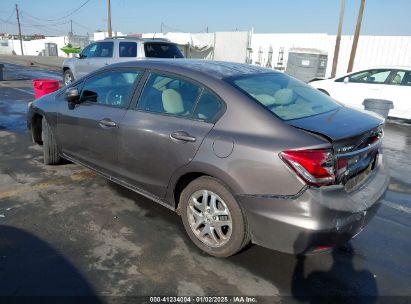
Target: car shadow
[
  {"x": 304, "y": 278},
  {"x": 30, "y": 267},
  {"x": 341, "y": 283},
  {"x": 151, "y": 208}
]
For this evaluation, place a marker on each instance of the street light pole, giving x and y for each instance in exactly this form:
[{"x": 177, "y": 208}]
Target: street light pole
[
  {"x": 356, "y": 36},
  {"x": 338, "y": 40},
  {"x": 109, "y": 19},
  {"x": 18, "y": 23}
]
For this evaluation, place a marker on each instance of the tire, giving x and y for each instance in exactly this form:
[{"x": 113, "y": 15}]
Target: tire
[
  {"x": 324, "y": 91},
  {"x": 68, "y": 77},
  {"x": 230, "y": 242},
  {"x": 50, "y": 149}
]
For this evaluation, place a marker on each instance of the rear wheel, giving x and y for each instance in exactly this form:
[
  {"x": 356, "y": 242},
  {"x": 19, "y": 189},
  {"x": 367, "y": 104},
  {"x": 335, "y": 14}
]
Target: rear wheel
[
  {"x": 212, "y": 217},
  {"x": 68, "y": 77},
  {"x": 50, "y": 149}
]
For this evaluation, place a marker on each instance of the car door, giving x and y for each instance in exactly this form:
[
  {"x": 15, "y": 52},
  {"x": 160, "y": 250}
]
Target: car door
[
  {"x": 398, "y": 90},
  {"x": 82, "y": 65},
  {"x": 351, "y": 90},
  {"x": 102, "y": 56},
  {"x": 88, "y": 131},
  {"x": 164, "y": 130}
]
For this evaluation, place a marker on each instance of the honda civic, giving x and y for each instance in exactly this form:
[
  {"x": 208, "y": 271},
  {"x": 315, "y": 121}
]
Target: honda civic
[{"x": 242, "y": 153}]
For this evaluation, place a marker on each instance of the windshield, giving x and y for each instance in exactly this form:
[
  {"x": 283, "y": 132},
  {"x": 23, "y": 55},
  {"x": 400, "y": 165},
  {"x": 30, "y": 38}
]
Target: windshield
[
  {"x": 284, "y": 96},
  {"x": 162, "y": 50}
]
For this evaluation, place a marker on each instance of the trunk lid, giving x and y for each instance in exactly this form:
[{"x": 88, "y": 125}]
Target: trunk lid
[{"x": 355, "y": 136}]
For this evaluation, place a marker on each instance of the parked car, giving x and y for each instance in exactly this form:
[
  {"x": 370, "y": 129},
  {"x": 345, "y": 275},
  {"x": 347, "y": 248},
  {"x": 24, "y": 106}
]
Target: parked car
[
  {"x": 114, "y": 50},
  {"x": 241, "y": 152},
  {"x": 390, "y": 83}
]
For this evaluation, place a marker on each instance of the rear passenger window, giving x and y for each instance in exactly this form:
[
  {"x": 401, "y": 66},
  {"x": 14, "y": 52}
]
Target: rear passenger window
[
  {"x": 208, "y": 106},
  {"x": 128, "y": 49},
  {"x": 169, "y": 95},
  {"x": 407, "y": 79}
]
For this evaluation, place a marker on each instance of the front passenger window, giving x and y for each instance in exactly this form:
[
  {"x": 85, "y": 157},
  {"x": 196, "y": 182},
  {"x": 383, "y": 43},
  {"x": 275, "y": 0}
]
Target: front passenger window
[
  {"x": 372, "y": 76},
  {"x": 104, "y": 49},
  {"x": 89, "y": 51},
  {"x": 111, "y": 88}
]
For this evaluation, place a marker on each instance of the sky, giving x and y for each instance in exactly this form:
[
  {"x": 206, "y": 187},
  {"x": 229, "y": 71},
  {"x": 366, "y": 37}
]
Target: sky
[{"x": 381, "y": 17}]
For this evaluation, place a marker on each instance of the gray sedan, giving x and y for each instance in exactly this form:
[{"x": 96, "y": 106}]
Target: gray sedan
[{"x": 244, "y": 154}]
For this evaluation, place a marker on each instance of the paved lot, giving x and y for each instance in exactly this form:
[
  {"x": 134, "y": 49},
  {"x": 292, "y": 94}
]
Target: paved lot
[{"x": 66, "y": 231}]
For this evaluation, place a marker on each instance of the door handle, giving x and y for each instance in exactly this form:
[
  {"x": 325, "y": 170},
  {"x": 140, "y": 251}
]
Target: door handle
[
  {"x": 107, "y": 123},
  {"x": 182, "y": 135}
]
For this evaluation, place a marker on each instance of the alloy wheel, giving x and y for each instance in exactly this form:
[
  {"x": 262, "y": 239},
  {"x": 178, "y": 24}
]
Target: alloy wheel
[{"x": 209, "y": 218}]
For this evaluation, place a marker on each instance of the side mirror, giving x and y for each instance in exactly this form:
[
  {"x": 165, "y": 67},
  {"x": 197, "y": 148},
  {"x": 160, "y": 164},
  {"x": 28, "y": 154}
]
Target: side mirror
[
  {"x": 72, "y": 95},
  {"x": 346, "y": 80}
]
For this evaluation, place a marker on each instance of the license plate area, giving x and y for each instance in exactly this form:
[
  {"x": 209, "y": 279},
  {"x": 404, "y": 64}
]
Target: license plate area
[{"x": 357, "y": 179}]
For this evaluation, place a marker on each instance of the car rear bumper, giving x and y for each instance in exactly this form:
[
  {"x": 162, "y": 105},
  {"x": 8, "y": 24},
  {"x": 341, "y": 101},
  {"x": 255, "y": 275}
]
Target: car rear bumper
[{"x": 315, "y": 217}]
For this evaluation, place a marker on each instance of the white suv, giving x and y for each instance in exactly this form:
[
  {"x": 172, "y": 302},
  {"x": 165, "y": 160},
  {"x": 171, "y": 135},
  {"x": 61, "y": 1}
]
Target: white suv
[{"x": 114, "y": 50}]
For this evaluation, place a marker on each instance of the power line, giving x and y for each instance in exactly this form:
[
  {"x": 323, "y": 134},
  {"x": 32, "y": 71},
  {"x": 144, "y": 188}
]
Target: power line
[
  {"x": 9, "y": 18},
  {"x": 63, "y": 17},
  {"x": 83, "y": 26},
  {"x": 40, "y": 25}
]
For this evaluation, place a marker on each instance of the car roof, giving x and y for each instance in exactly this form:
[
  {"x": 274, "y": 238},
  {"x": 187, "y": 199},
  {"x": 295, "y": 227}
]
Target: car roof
[
  {"x": 386, "y": 67},
  {"x": 134, "y": 39},
  {"x": 215, "y": 69}
]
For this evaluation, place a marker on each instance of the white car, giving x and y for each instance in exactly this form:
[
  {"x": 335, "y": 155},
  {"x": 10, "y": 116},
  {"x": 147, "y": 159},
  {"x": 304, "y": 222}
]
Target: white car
[{"x": 390, "y": 83}]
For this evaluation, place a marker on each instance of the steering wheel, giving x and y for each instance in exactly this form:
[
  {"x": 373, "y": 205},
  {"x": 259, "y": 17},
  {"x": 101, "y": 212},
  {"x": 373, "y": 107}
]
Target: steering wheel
[{"x": 114, "y": 98}]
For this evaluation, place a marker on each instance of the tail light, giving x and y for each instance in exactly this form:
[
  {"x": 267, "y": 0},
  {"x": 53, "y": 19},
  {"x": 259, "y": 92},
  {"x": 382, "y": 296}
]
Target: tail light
[{"x": 315, "y": 167}]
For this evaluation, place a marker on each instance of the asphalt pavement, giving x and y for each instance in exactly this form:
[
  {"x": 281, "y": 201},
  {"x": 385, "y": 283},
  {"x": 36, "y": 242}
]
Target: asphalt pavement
[{"x": 65, "y": 231}]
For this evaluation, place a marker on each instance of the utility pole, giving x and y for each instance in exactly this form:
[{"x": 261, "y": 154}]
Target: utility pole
[
  {"x": 338, "y": 40},
  {"x": 109, "y": 19},
  {"x": 161, "y": 26},
  {"x": 71, "y": 27},
  {"x": 356, "y": 36},
  {"x": 18, "y": 23}
]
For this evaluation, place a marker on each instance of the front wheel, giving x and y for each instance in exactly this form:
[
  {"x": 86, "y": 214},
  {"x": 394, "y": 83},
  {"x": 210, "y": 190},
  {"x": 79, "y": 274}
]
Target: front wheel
[
  {"x": 50, "y": 149},
  {"x": 212, "y": 217},
  {"x": 68, "y": 77}
]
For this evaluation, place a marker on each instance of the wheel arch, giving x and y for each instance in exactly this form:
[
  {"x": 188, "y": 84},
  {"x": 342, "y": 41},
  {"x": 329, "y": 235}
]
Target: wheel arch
[
  {"x": 36, "y": 128},
  {"x": 324, "y": 91},
  {"x": 187, "y": 174}
]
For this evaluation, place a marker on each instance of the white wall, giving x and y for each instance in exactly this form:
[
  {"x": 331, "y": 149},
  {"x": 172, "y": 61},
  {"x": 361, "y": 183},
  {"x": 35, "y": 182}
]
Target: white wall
[
  {"x": 372, "y": 50},
  {"x": 35, "y": 47},
  {"x": 6, "y": 48}
]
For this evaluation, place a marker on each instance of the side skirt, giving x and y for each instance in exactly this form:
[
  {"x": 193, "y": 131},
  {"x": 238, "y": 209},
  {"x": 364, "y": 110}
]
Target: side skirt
[{"x": 122, "y": 183}]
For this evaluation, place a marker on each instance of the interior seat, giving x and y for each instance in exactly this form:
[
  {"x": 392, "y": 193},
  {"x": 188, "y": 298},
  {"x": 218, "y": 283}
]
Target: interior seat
[
  {"x": 265, "y": 99},
  {"x": 172, "y": 102},
  {"x": 397, "y": 79},
  {"x": 283, "y": 97}
]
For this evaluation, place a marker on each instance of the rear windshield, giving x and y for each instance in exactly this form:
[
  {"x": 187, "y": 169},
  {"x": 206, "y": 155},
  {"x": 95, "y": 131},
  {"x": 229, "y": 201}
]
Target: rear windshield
[
  {"x": 284, "y": 96},
  {"x": 162, "y": 50}
]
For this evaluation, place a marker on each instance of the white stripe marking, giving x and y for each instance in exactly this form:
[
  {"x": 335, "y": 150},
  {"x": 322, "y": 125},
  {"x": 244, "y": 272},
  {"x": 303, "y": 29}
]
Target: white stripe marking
[
  {"x": 397, "y": 206},
  {"x": 23, "y": 90}
]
